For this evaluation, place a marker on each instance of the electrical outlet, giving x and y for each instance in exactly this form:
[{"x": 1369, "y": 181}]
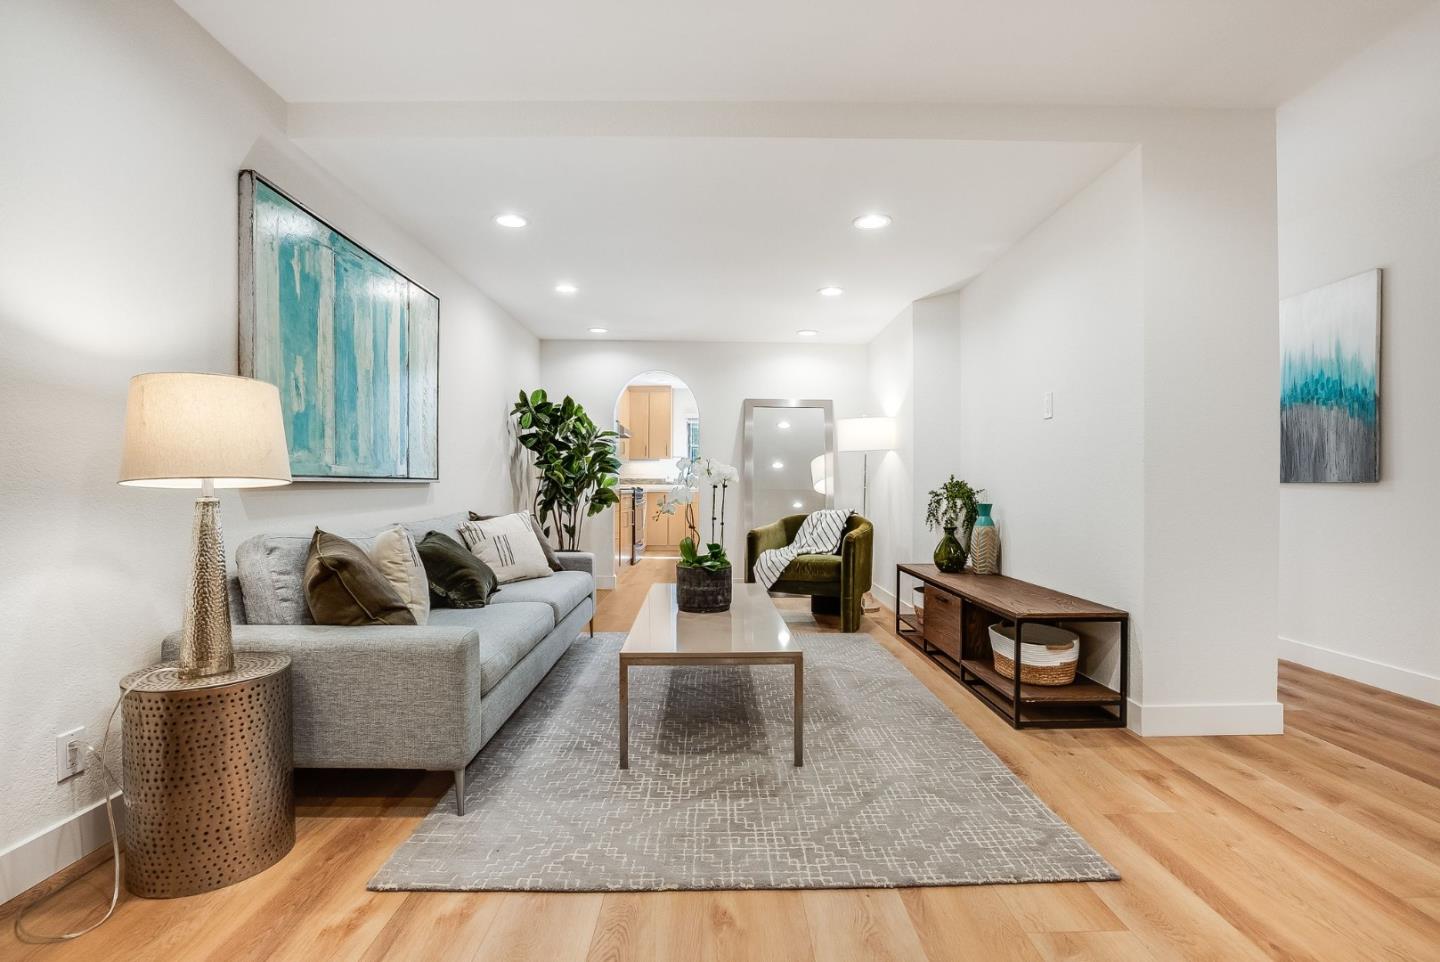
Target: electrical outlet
[
  {"x": 69, "y": 753},
  {"x": 1047, "y": 410}
]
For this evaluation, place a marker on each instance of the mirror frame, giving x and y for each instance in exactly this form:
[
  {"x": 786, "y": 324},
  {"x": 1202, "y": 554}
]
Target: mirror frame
[{"x": 748, "y": 446}]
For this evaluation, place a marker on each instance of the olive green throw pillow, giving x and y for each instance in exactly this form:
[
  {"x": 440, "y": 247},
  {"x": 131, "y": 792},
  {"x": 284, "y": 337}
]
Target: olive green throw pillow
[
  {"x": 343, "y": 586},
  {"x": 457, "y": 578}
]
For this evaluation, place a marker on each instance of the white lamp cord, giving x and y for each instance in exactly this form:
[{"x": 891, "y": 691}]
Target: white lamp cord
[{"x": 108, "y": 784}]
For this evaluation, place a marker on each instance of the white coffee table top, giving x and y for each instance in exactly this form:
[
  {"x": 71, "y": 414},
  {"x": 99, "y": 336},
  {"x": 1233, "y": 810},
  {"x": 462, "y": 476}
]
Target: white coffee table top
[{"x": 752, "y": 626}]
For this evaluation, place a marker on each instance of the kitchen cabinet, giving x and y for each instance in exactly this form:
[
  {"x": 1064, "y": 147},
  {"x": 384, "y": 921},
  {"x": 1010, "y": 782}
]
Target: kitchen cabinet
[
  {"x": 666, "y": 530},
  {"x": 648, "y": 408}
]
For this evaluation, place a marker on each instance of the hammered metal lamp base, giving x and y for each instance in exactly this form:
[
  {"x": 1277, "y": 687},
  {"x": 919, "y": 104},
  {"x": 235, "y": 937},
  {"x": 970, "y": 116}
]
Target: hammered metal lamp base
[
  {"x": 208, "y": 777},
  {"x": 205, "y": 646}
]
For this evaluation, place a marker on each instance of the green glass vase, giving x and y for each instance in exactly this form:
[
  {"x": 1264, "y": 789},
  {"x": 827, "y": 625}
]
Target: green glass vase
[{"x": 950, "y": 553}]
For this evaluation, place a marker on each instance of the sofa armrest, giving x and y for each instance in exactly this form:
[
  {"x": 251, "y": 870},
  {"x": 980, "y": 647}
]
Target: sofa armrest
[
  {"x": 577, "y": 561},
  {"x": 763, "y": 538},
  {"x": 383, "y": 696}
]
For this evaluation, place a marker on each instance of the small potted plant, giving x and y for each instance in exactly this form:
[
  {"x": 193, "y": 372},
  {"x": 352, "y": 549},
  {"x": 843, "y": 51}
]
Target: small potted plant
[
  {"x": 951, "y": 504},
  {"x": 702, "y": 581}
]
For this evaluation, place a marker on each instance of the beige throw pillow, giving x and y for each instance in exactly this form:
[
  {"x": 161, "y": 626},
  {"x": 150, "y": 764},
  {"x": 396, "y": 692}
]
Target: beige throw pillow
[
  {"x": 399, "y": 561},
  {"x": 508, "y": 546}
]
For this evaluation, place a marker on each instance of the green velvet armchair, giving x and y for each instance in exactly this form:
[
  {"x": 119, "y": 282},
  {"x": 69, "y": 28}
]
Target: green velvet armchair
[{"x": 835, "y": 583}]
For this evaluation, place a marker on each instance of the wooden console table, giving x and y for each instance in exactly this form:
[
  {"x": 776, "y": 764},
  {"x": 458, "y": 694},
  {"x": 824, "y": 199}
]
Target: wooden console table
[{"x": 955, "y": 634}]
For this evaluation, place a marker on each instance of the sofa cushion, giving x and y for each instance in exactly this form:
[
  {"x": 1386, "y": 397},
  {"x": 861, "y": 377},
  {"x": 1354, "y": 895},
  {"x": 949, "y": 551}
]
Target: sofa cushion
[
  {"x": 344, "y": 586},
  {"x": 562, "y": 591},
  {"x": 509, "y": 546},
  {"x": 446, "y": 524},
  {"x": 398, "y": 559},
  {"x": 272, "y": 576},
  {"x": 550, "y": 557},
  {"x": 507, "y": 634},
  {"x": 457, "y": 578},
  {"x": 813, "y": 567},
  {"x": 271, "y": 568}
]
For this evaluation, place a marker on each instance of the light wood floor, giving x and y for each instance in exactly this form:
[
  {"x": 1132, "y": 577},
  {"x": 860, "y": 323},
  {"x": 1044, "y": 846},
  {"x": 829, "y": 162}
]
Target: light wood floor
[{"x": 1323, "y": 844}]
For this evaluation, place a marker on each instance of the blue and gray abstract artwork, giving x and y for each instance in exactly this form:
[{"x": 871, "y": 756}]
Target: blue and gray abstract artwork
[
  {"x": 351, "y": 343},
  {"x": 1330, "y": 382}
]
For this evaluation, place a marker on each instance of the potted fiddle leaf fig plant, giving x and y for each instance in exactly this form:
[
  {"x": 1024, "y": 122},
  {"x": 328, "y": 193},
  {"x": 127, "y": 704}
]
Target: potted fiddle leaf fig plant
[
  {"x": 702, "y": 580},
  {"x": 951, "y": 504},
  {"x": 576, "y": 468}
]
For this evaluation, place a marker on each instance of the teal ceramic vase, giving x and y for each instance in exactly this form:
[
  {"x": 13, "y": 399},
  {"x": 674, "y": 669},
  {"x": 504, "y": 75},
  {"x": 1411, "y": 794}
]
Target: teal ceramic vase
[
  {"x": 985, "y": 543},
  {"x": 950, "y": 553}
]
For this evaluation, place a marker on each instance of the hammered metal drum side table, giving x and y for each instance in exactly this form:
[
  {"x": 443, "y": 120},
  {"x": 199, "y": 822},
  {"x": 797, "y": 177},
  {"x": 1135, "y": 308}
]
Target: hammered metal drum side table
[{"x": 209, "y": 789}]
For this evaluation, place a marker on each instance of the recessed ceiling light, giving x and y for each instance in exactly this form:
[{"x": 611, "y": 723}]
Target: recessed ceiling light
[
  {"x": 807, "y": 333},
  {"x": 510, "y": 220},
  {"x": 830, "y": 291},
  {"x": 797, "y": 504},
  {"x": 871, "y": 221},
  {"x": 565, "y": 287},
  {"x": 777, "y": 465},
  {"x": 599, "y": 330},
  {"x": 783, "y": 425}
]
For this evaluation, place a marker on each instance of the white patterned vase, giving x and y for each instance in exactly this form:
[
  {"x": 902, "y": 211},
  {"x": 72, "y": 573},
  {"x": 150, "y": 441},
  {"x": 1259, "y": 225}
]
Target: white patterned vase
[{"x": 985, "y": 543}]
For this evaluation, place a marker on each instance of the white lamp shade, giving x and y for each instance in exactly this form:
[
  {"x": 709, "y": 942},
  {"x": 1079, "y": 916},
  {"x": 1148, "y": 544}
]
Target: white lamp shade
[
  {"x": 184, "y": 429},
  {"x": 865, "y": 434},
  {"x": 819, "y": 476}
]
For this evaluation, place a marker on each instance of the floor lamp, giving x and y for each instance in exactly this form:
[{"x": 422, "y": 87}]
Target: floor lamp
[{"x": 864, "y": 435}]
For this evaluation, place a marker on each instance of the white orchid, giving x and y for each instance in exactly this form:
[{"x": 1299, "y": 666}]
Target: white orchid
[{"x": 717, "y": 472}]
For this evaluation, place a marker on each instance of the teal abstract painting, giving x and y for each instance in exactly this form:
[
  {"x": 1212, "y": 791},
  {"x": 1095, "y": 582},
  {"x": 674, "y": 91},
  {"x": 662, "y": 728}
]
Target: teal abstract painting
[
  {"x": 352, "y": 344},
  {"x": 1330, "y": 382}
]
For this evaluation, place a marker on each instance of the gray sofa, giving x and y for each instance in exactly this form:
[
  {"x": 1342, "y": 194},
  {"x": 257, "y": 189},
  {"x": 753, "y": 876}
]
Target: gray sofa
[{"x": 404, "y": 697}]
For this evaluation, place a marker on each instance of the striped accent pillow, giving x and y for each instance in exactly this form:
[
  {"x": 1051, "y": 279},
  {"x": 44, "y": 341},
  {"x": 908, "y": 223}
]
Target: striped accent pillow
[{"x": 508, "y": 546}]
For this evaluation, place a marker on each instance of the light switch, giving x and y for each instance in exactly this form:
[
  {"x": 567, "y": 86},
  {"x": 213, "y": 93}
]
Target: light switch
[{"x": 1048, "y": 406}]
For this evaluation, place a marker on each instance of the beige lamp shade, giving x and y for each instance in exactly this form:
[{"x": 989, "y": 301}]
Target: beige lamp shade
[
  {"x": 865, "y": 434},
  {"x": 184, "y": 429}
]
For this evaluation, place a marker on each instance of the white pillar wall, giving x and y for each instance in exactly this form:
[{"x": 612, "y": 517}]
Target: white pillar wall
[{"x": 1203, "y": 588}]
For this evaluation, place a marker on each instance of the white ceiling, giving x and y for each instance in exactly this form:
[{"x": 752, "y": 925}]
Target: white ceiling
[
  {"x": 713, "y": 238},
  {"x": 1123, "y": 52}
]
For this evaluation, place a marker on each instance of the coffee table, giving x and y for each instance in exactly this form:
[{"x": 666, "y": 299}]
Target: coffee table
[{"x": 750, "y": 633}]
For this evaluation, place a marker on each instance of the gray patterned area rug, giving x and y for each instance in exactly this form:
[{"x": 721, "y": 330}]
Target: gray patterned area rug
[{"x": 895, "y": 790}]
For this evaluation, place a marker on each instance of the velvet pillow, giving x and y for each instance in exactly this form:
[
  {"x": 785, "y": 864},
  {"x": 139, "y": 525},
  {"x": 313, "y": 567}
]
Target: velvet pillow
[
  {"x": 457, "y": 578},
  {"x": 550, "y": 558},
  {"x": 343, "y": 586}
]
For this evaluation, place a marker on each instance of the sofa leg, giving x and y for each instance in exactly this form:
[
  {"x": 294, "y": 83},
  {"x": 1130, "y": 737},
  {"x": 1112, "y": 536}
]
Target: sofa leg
[{"x": 459, "y": 774}]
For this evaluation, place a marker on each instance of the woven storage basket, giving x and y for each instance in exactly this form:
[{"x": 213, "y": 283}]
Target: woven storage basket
[{"x": 1051, "y": 661}]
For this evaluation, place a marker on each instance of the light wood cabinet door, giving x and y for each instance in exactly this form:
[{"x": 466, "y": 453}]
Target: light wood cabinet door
[
  {"x": 649, "y": 416},
  {"x": 657, "y": 526},
  {"x": 639, "y": 424},
  {"x": 661, "y": 402}
]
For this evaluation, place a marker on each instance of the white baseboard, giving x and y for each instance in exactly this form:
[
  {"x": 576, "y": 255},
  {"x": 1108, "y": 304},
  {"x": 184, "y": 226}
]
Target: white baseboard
[
  {"x": 605, "y": 582},
  {"x": 1260, "y": 718},
  {"x": 33, "y": 860},
  {"x": 1378, "y": 674},
  {"x": 886, "y": 598}
]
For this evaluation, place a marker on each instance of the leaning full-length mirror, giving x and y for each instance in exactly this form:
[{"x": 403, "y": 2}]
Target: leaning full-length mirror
[{"x": 789, "y": 458}]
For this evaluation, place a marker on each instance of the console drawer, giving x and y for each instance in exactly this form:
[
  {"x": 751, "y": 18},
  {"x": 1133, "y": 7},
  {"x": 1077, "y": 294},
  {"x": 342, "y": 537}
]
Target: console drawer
[{"x": 941, "y": 624}]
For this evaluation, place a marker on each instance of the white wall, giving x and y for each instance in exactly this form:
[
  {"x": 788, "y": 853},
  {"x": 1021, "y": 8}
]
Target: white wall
[
  {"x": 1359, "y": 162},
  {"x": 125, "y": 128},
  {"x": 892, "y": 362},
  {"x": 1152, "y": 488},
  {"x": 1061, "y": 311},
  {"x": 722, "y": 377}
]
